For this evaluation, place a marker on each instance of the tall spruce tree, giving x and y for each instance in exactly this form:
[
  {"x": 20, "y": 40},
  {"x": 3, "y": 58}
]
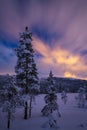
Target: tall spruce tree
[
  {"x": 51, "y": 97},
  {"x": 26, "y": 71}
]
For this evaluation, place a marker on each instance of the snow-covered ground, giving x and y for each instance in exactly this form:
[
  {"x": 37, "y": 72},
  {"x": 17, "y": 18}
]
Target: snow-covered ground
[{"x": 72, "y": 117}]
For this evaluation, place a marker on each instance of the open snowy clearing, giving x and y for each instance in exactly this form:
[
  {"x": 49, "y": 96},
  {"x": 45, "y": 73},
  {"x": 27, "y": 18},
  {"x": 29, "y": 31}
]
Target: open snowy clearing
[{"x": 72, "y": 117}]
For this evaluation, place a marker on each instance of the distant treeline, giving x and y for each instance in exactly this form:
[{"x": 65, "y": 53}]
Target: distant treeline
[{"x": 68, "y": 84}]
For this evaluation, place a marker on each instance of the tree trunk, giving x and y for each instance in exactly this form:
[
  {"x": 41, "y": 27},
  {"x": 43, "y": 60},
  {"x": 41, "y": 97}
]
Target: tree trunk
[
  {"x": 86, "y": 96},
  {"x": 30, "y": 106},
  {"x": 26, "y": 110},
  {"x": 51, "y": 110},
  {"x": 9, "y": 118}
]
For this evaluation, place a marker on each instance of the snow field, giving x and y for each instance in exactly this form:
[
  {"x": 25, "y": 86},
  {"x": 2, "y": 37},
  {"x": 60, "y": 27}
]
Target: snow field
[{"x": 72, "y": 117}]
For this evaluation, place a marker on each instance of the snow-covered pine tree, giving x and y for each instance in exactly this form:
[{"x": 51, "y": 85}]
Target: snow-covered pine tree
[
  {"x": 64, "y": 96},
  {"x": 81, "y": 97},
  {"x": 9, "y": 98},
  {"x": 50, "y": 98},
  {"x": 26, "y": 71}
]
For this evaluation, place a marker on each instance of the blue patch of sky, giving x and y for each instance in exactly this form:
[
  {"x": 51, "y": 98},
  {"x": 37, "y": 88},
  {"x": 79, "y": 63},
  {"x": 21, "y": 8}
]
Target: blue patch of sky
[
  {"x": 83, "y": 52},
  {"x": 4, "y": 58},
  {"x": 7, "y": 41},
  {"x": 9, "y": 44},
  {"x": 43, "y": 33}
]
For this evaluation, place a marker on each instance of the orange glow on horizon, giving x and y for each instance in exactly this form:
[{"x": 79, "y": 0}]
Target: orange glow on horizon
[
  {"x": 60, "y": 59},
  {"x": 69, "y": 75}
]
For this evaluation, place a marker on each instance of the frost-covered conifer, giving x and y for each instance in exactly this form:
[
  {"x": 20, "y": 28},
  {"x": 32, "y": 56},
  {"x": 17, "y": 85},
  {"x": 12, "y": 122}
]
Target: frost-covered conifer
[
  {"x": 26, "y": 72},
  {"x": 50, "y": 98},
  {"x": 9, "y": 98}
]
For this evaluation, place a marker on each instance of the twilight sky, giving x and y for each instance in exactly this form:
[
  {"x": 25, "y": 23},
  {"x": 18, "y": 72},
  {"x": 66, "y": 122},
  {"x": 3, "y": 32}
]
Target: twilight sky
[{"x": 59, "y": 30}]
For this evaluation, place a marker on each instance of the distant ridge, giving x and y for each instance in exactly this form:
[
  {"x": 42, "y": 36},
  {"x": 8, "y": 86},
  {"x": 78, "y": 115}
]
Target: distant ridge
[{"x": 70, "y": 84}]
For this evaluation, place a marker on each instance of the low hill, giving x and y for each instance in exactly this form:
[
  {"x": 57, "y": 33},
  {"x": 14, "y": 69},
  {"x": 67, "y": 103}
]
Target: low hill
[{"x": 69, "y": 84}]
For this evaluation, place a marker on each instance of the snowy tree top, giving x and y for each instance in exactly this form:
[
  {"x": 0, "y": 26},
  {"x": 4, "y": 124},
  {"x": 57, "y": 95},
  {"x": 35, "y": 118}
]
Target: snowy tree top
[
  {"x": 26, "y": 35},
  {"x": 51, "y": 87}
]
